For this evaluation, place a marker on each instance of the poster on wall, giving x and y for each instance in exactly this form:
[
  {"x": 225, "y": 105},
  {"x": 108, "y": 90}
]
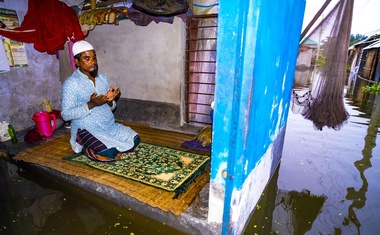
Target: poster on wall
[
  {"x": 4, "y": 65},
  {"x": 15, "y": 51}
]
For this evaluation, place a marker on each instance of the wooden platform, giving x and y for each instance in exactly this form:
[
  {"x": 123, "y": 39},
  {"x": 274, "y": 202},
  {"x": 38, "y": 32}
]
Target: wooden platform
[{"x": 50, "y": 155}]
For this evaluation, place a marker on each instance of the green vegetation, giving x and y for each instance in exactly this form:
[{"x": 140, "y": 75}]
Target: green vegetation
[
  {"x": 372, "y": 89},
  {"x": 356, "y": 38}
]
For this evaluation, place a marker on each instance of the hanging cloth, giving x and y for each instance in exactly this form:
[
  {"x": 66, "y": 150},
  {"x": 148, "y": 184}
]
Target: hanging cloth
[
  {"x": 48, "y": 24},
  {"x": 66, "y": 61}
]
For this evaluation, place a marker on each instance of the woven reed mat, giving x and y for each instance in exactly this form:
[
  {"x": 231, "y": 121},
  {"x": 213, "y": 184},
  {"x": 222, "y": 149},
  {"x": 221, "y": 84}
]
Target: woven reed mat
[{"x": 51, "y": 153}]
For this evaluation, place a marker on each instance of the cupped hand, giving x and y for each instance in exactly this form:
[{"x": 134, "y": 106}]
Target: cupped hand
[
  {"x": 112, "y": 93},
  {"x": 97, "y": 100}
]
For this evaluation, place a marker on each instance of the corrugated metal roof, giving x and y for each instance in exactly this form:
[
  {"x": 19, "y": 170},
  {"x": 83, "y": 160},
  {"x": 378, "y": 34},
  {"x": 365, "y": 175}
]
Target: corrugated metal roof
[
  {"x": 309, "y": 42},
  {"x": 373, "y": 45}
]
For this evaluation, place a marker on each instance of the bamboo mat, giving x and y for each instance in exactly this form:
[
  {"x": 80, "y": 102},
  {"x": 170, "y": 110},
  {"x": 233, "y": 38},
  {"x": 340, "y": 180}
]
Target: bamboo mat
[{"x": 50, "y": 155}]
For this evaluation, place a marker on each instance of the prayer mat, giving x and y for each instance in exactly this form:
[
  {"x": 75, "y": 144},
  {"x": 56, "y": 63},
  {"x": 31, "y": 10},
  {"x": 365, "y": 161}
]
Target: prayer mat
[{"x": 162, "y": 167}]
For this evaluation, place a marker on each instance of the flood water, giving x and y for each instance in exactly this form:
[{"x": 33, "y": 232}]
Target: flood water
[
  {"x": 31, "y": 203},
  {"x": 327, "y": 183}
]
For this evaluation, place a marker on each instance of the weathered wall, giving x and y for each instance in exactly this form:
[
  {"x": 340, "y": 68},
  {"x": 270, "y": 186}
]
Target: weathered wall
[
  {"x": 146, "y": 62},
  {"x": 302, "y": 75},
  {"x": 22, "y": 89}
]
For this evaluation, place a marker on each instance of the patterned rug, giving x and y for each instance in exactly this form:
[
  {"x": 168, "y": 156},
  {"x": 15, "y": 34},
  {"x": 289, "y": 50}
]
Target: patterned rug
[{"x": 157, "y": 166}]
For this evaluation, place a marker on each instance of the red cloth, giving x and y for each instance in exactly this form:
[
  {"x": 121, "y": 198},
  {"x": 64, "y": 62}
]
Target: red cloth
[{"x": 48, "y": 24}]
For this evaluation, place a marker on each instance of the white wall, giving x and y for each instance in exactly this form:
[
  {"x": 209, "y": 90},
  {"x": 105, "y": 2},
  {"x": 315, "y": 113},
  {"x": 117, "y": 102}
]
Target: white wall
[{"x": 147, "y": 62}]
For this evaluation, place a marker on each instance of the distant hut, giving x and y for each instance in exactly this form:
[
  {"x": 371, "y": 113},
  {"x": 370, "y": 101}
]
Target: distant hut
[
  {"x": 363, "y": 59},
  {"x": 365, "y": 69},
  {"x": 305, "y": 63}
]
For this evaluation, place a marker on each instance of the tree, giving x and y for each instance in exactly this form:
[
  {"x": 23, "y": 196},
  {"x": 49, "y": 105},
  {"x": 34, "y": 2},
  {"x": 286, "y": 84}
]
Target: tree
[
  {"x": 356, "y": 38},
  {"x": 372, "y": 89}
]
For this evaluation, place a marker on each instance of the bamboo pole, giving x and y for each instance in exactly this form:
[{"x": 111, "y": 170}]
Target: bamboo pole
[
  {"x": 93, "y": 4},
  {"x": 314, "y": 19}
]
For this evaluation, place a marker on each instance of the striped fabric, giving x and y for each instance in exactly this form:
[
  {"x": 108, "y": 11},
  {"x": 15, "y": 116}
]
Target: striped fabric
[
  {"x": 87, "y": 140},
  {"x": 95, "y": 150}
]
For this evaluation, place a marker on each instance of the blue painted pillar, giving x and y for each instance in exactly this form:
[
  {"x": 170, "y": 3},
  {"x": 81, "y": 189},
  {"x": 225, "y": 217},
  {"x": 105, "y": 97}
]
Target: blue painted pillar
[{"x": 256, "y": 55}]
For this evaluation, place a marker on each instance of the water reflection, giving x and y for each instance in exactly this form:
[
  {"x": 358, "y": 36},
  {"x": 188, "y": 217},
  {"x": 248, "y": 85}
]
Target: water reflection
[
  {"x": 30, "y": 206},
  {"x": 31, "y": 203},
  {"x": 327, "y": 182},
  {"x": 358, "y": 197},
  {"x": 299, "y": 209},
  {"x": 284, "y": 212}
]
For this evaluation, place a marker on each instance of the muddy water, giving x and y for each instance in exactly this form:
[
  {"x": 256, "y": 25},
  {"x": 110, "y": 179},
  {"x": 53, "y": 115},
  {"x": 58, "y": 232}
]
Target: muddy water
[
  {"x": 328, "y": 181},
  {"x": 31, "y": 203}
]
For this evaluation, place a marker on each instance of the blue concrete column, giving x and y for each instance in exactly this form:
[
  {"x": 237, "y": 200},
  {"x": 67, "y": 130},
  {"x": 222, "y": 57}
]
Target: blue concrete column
[{"x": 256, "y": 56}]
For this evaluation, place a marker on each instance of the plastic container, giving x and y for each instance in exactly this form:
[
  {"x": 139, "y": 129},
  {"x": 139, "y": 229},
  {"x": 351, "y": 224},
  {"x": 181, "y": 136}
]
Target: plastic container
[
  {"x": 58, "y": 116},
  {"x": 12, "y": 133},
  {"x": 45, "y": 123},
  {"x": 46, "y": 106}
]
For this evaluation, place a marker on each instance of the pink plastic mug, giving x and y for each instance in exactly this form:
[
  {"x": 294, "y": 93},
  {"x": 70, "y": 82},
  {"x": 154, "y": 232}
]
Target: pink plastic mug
[{"x": 43, "y": 123}]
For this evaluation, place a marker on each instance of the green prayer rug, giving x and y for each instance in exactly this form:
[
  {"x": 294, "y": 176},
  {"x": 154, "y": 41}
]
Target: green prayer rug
[{"x": 157, "y": 166}]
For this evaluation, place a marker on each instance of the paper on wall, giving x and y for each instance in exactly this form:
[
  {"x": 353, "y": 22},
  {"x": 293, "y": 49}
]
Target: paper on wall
[
  {"x": 4, "y": 65},
  {"x": 4, "y": 136}
]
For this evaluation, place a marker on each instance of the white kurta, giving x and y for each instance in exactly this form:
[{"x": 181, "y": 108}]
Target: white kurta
[{"x": 99, "y": 121}]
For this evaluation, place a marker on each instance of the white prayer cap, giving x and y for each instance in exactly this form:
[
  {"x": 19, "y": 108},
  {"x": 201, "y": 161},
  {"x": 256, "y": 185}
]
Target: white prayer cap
[{"x": 81, "y": 46}]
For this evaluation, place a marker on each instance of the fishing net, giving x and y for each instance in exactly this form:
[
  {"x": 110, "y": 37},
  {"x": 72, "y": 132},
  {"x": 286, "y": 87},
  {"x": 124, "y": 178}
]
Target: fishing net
[{"x": 323, "y": 103}]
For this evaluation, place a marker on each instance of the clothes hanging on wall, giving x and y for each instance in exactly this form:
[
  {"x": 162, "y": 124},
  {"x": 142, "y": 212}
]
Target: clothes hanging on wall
[
  {"x": 142, "y": 19},
  {"x": 162, "y": 7},
  {"x": 48, "y": 24}
]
